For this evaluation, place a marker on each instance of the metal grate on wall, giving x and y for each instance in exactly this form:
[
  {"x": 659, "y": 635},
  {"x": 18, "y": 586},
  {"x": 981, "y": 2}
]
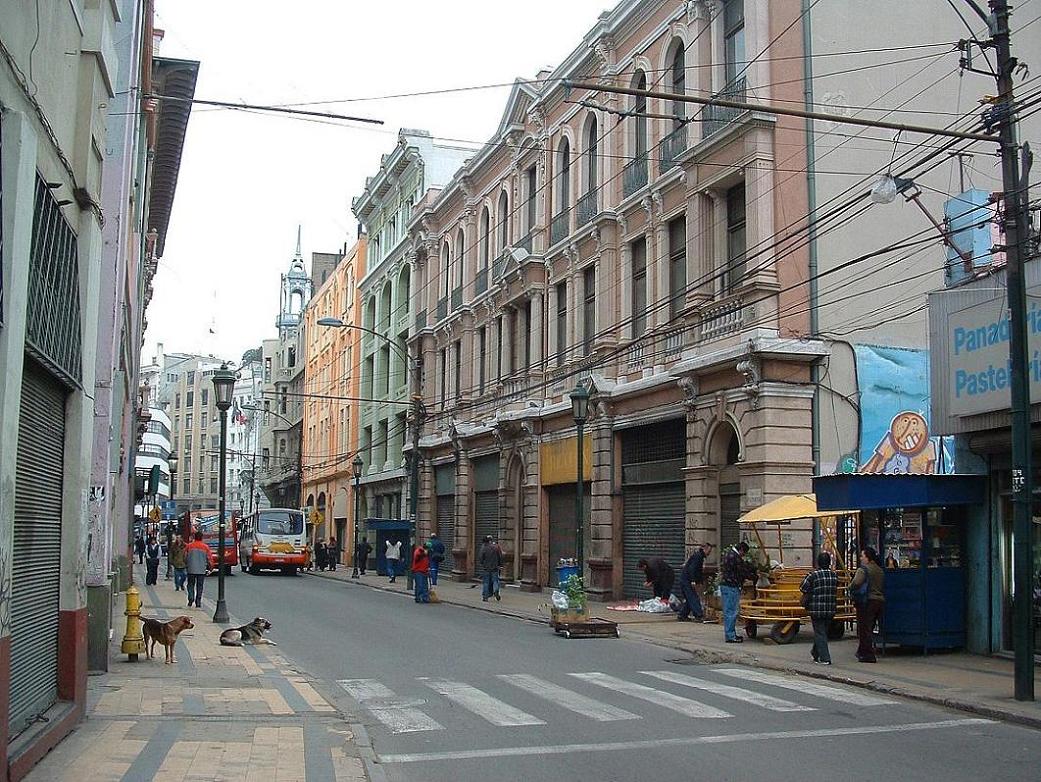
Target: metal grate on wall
[
  {"x": 53, "y": 323},
  {"x": 655, "y": 442}
]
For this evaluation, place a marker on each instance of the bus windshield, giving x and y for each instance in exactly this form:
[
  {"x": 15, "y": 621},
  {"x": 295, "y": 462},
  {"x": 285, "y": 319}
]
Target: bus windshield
[{"x": 280, "y": 523}]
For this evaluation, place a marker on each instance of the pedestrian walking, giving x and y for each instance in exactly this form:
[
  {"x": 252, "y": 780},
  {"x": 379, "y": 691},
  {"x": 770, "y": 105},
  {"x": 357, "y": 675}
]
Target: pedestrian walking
[
  {"x": 168, "y": 532},
  {"x": 733, "y": 572},
  {"x": 197, "y": 560},
  {"x": 139, "y": 548},
  {"x": 818, "y": 598},
  {"x": 489, "y": 560},
  {"x": 437, "y": 556},
  {"x": 658, "y": 575},
  {"x": 421, "y": 574},
  {"x": 867, "y": 590},
  {"x": 177, "y": 558},
  {"x": 152, "y": 554},
  {"x": 693, "y": 575},
  {"x": 321, "y": 555},
  {"x": 333, "y": 554},
  {"x": 393, "y": 554},
  {"x": 361, "y": 555}
]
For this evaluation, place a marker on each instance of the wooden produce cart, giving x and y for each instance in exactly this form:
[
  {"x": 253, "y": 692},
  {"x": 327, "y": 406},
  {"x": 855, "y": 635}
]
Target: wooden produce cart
[
  {"x": 579, "y": 624},
  {"x": 779, "y": 604}
]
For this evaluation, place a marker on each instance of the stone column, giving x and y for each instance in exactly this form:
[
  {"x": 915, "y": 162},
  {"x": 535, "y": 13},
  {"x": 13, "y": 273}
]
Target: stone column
[
  {"x": 599, "y": 542},
  {"x": 426, "y": 505},
  {"x": 463, "y": 516},
  {"x": 537, "y": 322},
  {"x": 759, "y": 209},
  {"x": 626, "y": 274},
  {"x": 659, "y": 273}
]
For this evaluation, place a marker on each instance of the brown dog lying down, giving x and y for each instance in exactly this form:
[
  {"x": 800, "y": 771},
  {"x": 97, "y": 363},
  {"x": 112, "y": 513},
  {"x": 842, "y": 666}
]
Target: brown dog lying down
[
  {"x": 165, "y": 633},
  {"x": 252, "y": 634}
]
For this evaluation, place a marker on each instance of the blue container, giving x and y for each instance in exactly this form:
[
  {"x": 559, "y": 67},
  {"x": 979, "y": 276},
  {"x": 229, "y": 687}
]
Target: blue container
[{"x": 564, "y": 572}]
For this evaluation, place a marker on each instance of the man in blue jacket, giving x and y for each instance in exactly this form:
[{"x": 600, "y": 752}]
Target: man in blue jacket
[
  {"x": 691, "y": 577},
  {"x": 437, "y": 556}
]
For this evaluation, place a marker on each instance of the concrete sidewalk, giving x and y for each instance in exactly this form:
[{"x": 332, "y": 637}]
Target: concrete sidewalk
[
  {"x": 967, "y": 682},
  {"x": 220, "y": 713}
]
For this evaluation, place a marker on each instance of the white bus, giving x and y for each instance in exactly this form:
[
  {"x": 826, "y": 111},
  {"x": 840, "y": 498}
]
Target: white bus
[{"x": 273, "y": 539}]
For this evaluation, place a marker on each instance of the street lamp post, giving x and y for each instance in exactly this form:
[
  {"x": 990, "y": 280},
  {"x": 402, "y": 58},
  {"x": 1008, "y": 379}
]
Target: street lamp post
[
  {"x": 171, "y": 463},
  {"x": 223, "y": 387},
  {"x": 357, "y": 464},
  {"x": 580, "y": 409}
]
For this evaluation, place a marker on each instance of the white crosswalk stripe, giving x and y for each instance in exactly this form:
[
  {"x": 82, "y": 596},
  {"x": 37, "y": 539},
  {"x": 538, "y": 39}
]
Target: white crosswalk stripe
[
  {"x": 481, "y": 703},
  {"x": 398, "y": 714},
  {"x": 848, "y": 696},
  {"x": 567, "y": 699},
  {"x": 727, "y": 691},
  {"x": 662, "y": 698}
]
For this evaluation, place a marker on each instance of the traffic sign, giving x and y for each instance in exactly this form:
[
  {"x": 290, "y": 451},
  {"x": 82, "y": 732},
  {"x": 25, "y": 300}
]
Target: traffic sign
[
  {"x": 154, "y": 514},
  {"x": 169, "y": 510}
]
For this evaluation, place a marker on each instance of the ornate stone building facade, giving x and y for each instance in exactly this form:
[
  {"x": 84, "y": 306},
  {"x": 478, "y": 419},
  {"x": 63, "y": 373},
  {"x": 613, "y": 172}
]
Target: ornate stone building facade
[{"x": 635, "y": 246}]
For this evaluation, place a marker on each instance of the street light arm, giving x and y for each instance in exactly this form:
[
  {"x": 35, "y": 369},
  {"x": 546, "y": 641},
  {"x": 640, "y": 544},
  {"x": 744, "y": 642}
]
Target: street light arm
[{"x": 336, "y": 323}]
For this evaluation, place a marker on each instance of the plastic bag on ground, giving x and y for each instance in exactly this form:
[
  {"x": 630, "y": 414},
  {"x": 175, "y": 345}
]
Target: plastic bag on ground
[
  {"x": 654, "y": 605},
  {"x": 559, "y": 600}
]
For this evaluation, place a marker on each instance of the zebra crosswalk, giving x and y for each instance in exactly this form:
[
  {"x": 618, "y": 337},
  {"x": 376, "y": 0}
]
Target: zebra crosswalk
[{"x": 413, "y": 715}]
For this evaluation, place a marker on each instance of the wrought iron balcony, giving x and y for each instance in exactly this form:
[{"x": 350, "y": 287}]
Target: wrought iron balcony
[
  {"x": 715, "y": 118},
  {"x": 442, "y": 308},
  {"x": 481, "y": 281},
  {"x": 587, "y": 209},
  {"x": 672, "y": 146},
  {"x": 457, "y": 299},
  {"x": 498, "y": 265},
  {"x": 560, "y": 227},
  {"x": 634, "y": 175},
  {"x": 526, "y": 241},
  {"x": 421, "y": 320}
]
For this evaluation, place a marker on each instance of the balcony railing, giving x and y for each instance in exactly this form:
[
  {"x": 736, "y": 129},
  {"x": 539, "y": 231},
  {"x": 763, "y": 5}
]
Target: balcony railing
[
  {"x": 721, "y": 319},
  {"x": 526, "y": 241},
  {"x": 421, "y": 320},
  {"x": 672, "y": 146},
  {"x": 636, "y": 356},
  {"x": 442, "y": 308},
  {"x": 481, "y": 281},
  {"x": 560, "y": 227},
  {"x": 457, "y": 299},
  {"x": 498, "y": 265},
  {"x": 587, "y": 209},
  {"x": 673, "y": 342},
  {"x": 634, "y": 175},
  {"x": 715, "y": 118}
]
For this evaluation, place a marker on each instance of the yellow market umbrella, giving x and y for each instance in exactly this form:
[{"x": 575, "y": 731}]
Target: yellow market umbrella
[{"x": 785, "y": 509}]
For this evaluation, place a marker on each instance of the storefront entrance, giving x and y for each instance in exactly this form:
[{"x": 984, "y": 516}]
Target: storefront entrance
[{"x": 1008, "y": 575}]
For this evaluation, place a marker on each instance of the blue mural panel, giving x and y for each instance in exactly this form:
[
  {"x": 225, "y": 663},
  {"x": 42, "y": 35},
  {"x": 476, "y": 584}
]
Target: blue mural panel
[{"x": 895, "y": 414}]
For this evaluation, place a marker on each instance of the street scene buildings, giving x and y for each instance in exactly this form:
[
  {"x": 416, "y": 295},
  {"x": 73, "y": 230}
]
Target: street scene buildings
[{"x": 734, "y": 290}]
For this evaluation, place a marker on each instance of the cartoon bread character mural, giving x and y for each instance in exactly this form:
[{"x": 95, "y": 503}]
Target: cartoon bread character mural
[{"x": 905, "y": 449}]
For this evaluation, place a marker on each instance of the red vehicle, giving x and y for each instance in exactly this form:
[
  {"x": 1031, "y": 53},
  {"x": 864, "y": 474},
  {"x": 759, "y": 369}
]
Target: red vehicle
[{"x": 206, "y": 522}]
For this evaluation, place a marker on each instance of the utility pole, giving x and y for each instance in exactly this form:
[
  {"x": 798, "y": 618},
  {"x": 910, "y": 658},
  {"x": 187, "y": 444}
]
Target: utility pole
[{"x": 1016, "y": 226}]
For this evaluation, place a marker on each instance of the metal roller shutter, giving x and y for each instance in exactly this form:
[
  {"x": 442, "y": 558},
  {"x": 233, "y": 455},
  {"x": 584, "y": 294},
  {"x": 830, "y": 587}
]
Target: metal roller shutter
[
  {"x": 654, "y": 524},
  {"x": 36, "y": 571},
  {"x": 446, "y": 528},
  {"x": 486, "y": 518}
]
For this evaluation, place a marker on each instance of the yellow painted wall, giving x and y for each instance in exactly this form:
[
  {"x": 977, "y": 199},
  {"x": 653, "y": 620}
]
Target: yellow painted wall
[{"x": 558, "y": 461}]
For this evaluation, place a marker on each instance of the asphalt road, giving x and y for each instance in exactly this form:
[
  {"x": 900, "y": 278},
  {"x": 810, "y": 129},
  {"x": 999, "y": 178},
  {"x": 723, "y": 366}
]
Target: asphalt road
[{"x": 450, "y": 693}]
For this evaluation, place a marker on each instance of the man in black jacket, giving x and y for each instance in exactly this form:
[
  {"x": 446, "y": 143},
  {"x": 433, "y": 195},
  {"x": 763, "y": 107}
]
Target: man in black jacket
[
  {"x": 692, "y": 575},
  {"x": 658, "y": 575}
]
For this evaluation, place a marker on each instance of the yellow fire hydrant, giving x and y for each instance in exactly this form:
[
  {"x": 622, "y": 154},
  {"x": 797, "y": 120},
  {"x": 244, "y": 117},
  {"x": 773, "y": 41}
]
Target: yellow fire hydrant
[{"x": 133, "y": 641}]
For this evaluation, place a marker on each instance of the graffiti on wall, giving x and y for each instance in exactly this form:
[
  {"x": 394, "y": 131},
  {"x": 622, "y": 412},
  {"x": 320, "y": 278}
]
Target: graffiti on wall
[{"x": 894, "y": 415}]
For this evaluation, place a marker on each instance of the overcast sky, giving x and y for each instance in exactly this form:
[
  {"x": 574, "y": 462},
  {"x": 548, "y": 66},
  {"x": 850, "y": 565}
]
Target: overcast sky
[{"x": 248, "y": 180}]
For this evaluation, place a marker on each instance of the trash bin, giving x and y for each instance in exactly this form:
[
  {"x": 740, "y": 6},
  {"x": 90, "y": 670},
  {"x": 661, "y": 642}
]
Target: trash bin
[{"x": 564, "y": 572}]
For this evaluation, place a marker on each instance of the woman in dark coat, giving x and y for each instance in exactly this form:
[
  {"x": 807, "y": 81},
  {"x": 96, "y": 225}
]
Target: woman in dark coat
[
  {"x": 321, "y": 555},
  {"x": 333, "y": 554}
]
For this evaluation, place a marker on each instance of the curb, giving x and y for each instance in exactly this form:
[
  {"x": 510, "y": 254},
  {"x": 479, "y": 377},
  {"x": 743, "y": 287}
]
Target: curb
[{"x": 710, "y": 655}]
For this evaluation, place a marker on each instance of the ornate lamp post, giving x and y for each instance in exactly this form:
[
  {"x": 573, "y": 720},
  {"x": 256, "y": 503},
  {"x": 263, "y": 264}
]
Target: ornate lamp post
[
  {"x": 357, "y": 464},
  {"x": 580, "y": 410},
  {"x": 223, "y": 387}
]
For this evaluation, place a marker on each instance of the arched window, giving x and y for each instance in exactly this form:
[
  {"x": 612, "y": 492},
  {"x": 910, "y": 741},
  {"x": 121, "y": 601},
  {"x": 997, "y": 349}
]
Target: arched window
[
  {"x": 640, "y": 117},
  {"x": 486, "y": 239},
  {"x": 446, "y": 270},
  {"x": 678, "y": 71},
  {"x": 388, "y": 305},
  {"x": 503, "y": 218},
  {"x": 563, "y": 175},
  {"x": 460, "y": 247},
  {"x": 592, "y": 161}
]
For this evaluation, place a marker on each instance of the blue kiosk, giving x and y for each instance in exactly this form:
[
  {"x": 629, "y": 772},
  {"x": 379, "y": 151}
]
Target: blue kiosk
[
  {"x": 379, "y": 532},
  {"x": 915, "y": 523}
]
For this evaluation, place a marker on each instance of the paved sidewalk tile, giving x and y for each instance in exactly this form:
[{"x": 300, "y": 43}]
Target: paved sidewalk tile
[{"x": 264, "y": 718}]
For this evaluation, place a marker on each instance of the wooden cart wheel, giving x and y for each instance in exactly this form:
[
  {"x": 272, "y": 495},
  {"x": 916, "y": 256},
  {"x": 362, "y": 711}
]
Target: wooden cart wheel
[
  {"x": 617, "y": 634},
  {"x": 784, "y": 632},
  {"x": 567, "y": 634},
  {"x": 836, "y": 629},
  {"x": 751, "y": 628}
]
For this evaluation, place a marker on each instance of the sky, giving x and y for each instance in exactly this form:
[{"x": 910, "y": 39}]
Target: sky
[{"x": 248, "y": 180}]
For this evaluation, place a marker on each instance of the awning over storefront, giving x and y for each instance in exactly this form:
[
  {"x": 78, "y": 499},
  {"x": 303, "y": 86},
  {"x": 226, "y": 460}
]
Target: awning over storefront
[
  {"x": 791, "y": 506},
  {"x": 872, "y": 492}
]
